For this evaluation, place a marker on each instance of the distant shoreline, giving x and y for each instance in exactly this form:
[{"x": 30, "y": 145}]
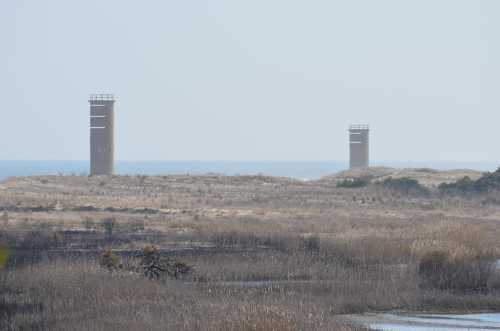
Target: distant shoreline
[{"x": 302, "y": 170}]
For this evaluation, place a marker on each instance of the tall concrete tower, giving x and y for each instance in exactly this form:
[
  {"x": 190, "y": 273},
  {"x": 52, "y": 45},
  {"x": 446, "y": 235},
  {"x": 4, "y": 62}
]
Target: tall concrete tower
[
  {"x": 102, "y": 149},
  {"x": 359, "y": 146}
]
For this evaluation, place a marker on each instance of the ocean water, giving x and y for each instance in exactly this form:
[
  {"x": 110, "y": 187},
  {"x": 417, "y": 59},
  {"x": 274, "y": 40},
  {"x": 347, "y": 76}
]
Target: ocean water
[{"x": 295, "y": 169}]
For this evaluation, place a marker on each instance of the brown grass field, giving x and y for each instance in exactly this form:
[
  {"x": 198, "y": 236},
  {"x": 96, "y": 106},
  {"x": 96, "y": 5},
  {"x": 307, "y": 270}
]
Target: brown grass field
[{"x": 266, "y": 253}]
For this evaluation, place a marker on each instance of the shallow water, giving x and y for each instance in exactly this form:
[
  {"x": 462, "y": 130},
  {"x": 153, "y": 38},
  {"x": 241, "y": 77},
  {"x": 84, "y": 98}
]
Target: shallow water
[
  {"x": 473, "y": 322},
  {"x": 393, "y": 322}
]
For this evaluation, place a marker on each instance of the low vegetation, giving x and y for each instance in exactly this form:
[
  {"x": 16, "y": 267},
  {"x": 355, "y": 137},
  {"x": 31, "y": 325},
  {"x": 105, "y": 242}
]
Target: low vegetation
[
  {"x": 404, "y": 185},
  {"x": 110, "y": 261},
  {"x": 156, "y": 266},
  {"x": 488, "y": 183},
  {"x": 238, "y": 253},
  {"x": 446, "y": 271}
]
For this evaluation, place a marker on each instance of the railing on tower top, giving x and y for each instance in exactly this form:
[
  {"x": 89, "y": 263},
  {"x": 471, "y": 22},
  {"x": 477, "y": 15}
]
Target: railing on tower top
[
  {"x": 359, "y": 127},
  {"x": 101, "y": 97}
]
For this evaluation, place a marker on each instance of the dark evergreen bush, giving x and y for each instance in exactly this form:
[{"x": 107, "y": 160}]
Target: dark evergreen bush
[
  {"x": 489, "y": 182},
  {"x": 404, "y": 185},
  {"x": 154, "y": 265},
  {"x": 110, "y": 261},
  {"x": 462, "y": 185}
]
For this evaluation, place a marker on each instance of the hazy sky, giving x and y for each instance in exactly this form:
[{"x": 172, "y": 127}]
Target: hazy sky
[{"x": 252, "y": 80}]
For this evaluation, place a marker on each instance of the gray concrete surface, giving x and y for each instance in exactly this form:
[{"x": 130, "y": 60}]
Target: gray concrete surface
[
  {"x": 359, "y": 146},
  {"x": 102, "y": 149}
]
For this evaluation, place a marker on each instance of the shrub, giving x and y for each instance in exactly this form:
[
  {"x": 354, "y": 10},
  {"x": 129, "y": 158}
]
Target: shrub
[
  {"x": 154, "y": 266},
  {"x": 180, "y": 268},
  {"x": 489, "y": 182},
  {"x": 438, "y": 269},
  {"x": 110, "y": 260},
  {"x": 462, "y": 185},
  {"x": 404, "y": 185},
  {"x": 353, "y": 183},
  {"x": 151, "y": 263}
]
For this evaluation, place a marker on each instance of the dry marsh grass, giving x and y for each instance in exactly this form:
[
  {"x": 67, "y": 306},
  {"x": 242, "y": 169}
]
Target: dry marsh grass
[
  {"x": 67, "y": 295},
  {"x": 268, "y": 253}
]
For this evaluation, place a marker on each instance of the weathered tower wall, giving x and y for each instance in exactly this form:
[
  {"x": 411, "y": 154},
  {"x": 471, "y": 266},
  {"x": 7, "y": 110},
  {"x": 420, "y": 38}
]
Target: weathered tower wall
[
  {"x": 359, "y": 147},
  {"x": 102, "y": 149}
]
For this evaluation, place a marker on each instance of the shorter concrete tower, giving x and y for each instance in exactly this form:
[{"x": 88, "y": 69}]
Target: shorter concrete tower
[
  {"x": 359, "y": 147},
  {"x": 102, "y": 130}
]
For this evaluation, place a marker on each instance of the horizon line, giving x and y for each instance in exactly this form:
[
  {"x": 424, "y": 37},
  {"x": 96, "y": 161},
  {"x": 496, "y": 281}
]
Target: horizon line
[{"x": 261, "y": 160}]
